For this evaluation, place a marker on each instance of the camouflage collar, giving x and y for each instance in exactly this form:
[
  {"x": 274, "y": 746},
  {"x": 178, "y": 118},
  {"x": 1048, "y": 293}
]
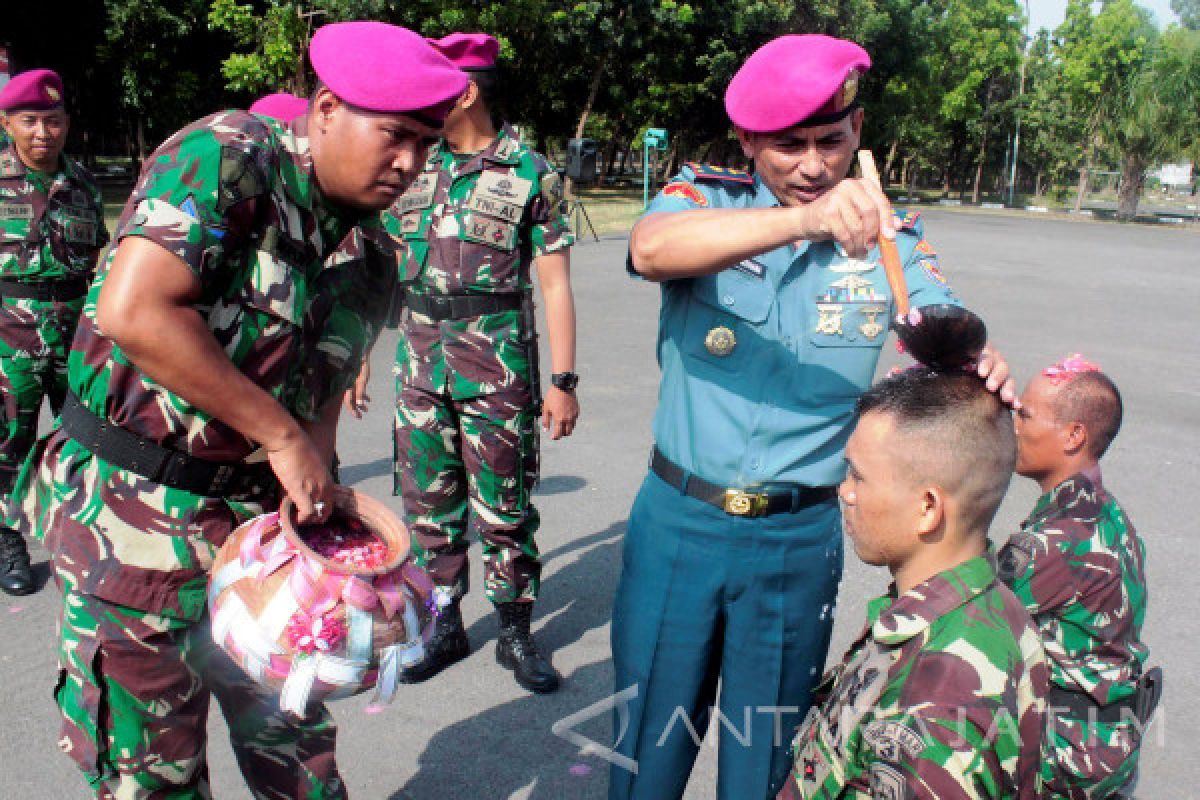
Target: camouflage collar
[
  {"x": 11, "y": 166},
  {"x": 300, "y": 182},
  {"x": 1078, "y": 497},
  {"x": 434, "y": 157},
  {"x": 296, "y": 168},
  {"x": 502, "y": 150},
  {"x": 896, "y": 621}
]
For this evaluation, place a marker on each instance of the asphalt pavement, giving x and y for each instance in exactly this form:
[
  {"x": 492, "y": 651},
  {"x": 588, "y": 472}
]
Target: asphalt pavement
[{"x": 1125, "y": 296}]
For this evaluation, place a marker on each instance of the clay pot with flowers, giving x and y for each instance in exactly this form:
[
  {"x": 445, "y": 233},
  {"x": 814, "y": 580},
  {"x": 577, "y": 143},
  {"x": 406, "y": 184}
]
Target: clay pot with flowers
[{"x": 321, "y": 611}]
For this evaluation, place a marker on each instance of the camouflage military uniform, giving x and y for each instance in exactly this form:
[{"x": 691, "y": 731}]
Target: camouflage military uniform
[
  {"x": 1078, "y": 566},
  {"x": 466, "y": 389},
  {"x": 942, "y": 696},
  {"x": 51, "y": 232},
  {"x": 295, "y": 295}
]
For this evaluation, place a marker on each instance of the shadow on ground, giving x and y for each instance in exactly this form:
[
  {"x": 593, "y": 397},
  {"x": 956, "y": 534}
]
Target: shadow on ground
[{"x": 514, "y": 739}]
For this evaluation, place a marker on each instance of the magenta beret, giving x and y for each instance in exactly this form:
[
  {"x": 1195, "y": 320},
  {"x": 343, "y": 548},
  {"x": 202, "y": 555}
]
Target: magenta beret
[
  {"x": 385, "y": 68},
  {"x": 36, "y": 90},
  {"x": 282, "y": 106},
  {"x": 802, "y": 78},
  {"x": 469, "y": 50}
]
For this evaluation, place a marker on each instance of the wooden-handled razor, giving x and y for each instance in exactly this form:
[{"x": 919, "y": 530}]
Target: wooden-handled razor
[{"x": 892, "y": 265}]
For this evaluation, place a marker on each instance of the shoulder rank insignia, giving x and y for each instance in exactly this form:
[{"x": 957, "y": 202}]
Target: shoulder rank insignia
[
  {"x": 707, "y": 172},
  {"x": 931, "y": 269},
  {"x": 8, "y": 165},
  {"x": 685, "y": 190},
  {"x": 907, "y": 219}
]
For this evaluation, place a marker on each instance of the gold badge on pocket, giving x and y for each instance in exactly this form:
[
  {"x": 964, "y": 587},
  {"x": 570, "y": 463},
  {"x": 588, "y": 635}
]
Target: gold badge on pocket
[
  {"x": 829, "y": 321},
  {"x": 720, "y": 341},
  {"x": 871, "y": 328}
]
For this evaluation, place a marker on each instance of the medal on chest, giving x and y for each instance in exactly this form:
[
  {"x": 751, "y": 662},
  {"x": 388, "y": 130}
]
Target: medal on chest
[{"x": 847, "y": 295}]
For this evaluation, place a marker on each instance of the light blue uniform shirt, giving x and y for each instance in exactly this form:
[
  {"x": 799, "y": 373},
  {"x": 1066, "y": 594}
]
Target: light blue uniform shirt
[{"x": 809, "y": 324}]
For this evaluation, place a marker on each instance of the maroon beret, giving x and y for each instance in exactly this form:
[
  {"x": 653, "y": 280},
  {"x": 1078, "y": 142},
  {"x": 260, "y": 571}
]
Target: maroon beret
[
  {"x": 469, "y": 50},
  {"x": 35, "y": 90},
  {"x": 807, "y": 79},
  {"x": 385, "y": 68}
]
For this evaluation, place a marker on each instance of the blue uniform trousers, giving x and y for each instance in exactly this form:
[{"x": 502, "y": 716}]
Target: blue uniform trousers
[{"x": 704, "y": 595}]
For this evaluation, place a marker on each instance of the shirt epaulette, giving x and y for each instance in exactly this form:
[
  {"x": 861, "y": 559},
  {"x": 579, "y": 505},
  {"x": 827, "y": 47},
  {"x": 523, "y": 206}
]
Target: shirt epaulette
[
  {"x": 10, "y": 167},
  {"x": 708, "y": 172},
  {"x": 908, "y": 219}
]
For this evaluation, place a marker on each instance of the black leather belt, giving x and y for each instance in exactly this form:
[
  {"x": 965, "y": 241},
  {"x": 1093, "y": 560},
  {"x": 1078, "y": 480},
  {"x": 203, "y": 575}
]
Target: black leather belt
[
  {"x": 48, "y": 291},
  {"x": 461, "y": 306},
  {"x": 740, "y": 502},
  {"x": 1138, "y": 707},
  {"x": 159, "y": 464}
]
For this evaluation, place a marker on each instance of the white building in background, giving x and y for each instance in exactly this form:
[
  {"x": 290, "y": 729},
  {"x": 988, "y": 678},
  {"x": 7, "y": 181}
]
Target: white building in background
[{"x": 1177, "y": 176}]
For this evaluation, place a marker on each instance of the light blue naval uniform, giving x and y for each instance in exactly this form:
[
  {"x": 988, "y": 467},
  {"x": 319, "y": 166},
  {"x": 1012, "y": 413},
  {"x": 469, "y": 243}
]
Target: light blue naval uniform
[{"x": 704, "y": 594}]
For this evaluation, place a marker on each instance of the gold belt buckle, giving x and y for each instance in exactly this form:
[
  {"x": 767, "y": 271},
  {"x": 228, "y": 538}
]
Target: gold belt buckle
[{"x": 744, "y": 504}]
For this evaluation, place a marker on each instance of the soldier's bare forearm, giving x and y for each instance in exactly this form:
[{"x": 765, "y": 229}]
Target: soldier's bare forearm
[
  {"x": 685, "y": 244},
  {"x": 145, "y": 308},
  {"x": 554, "y": 278}
]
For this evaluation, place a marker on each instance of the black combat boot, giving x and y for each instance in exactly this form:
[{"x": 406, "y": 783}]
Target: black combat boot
[
  {"x": 15, "y": 575},
  {"x": 515, "y": 649},
  {"x": 447, "y": 646}
]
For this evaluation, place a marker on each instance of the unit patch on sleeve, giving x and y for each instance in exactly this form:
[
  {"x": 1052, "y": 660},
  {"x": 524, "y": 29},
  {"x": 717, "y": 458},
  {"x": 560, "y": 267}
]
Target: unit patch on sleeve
[{"x": 685, "y": 190}]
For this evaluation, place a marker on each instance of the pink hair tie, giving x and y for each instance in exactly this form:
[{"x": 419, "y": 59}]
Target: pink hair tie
[{"x": 1068, "y": 368}]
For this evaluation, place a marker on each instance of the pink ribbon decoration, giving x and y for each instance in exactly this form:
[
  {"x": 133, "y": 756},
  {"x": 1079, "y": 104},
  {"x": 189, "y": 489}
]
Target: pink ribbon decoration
[
  {"x": 1068, "y": 368},
  {"x": 318, "y": 589}
]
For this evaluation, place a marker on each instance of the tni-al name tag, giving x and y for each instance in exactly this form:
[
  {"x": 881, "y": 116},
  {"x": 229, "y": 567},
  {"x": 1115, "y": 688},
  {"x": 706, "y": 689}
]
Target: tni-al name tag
[
  {"x": 16, "y": 211},
  {"x": 495, "y": 208}
]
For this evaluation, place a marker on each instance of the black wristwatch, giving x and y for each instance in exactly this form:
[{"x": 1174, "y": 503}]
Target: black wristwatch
[{"x": 566, "y": 381}]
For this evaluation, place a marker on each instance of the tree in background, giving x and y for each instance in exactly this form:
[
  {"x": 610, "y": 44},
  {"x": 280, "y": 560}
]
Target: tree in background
[
  {"x": 1098, "y": 56},
  {"x": 1158, "y": 118},
  {"x": 1054, "y": 128},
  {"x": 277, "y": 39},
  {"x": 940, "y": 98}
]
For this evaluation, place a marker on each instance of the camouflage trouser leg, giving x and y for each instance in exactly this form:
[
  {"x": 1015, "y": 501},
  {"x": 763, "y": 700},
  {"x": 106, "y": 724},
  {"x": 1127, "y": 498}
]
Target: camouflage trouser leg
[
  {"x": 133, "y": 690},
  {"x": 482, "y": 449},
  {"x": 24, "y": 381},
  {"x": 428, "y": 475}
]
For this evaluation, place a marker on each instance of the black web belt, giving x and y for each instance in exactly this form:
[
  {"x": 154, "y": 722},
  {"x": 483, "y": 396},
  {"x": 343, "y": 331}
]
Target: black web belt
[
  {"x": 1138, "y": 707},
  {"x": 47, "y": 291},
  {"x": 740, "y": 502},
  {"x": 159, "y": 464},
  {"x": 461, "y": 306}
]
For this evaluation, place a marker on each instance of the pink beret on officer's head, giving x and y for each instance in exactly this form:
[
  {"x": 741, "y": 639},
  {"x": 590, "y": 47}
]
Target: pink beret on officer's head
[
  {"x": 385, "y": 68},
  {"x": 809, "y": 78},
  {"x": 35, "y": 90},
  {"x": 469, "y": 50},
  {"x": 282, "y": 106}
]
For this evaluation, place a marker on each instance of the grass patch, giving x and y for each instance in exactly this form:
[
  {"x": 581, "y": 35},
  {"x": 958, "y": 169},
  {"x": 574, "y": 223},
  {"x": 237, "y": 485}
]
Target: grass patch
[{"x": 610, "y": 210}]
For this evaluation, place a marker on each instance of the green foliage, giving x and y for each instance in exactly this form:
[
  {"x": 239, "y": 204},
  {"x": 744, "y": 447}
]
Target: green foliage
[
  {"x": 1159, "y": 116},
  {"x": 140, "y": 38},
  {"x": 276, "y": 39},
  {"x": 942, "y": 98}
]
